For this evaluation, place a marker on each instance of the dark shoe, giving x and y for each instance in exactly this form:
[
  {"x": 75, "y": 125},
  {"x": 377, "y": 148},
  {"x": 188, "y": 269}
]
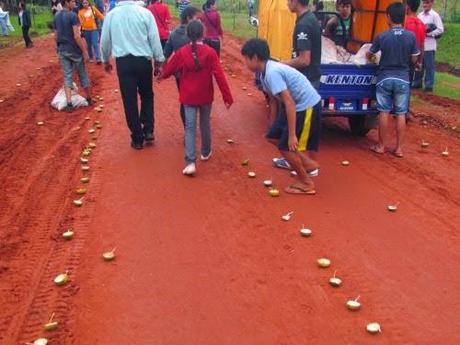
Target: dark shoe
[
  {"x": 415, "y": 87},
  {"x": 428, "y": 89},
  {"x": 90, "y": 101},
  {"x": 149, "y": 137},
  {"x": 137, "y": 146},
  {"x": 99, "y": 63}
]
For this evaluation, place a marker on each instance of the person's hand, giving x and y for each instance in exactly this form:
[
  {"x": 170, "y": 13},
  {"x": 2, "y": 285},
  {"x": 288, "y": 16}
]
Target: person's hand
[
  {"x": 108, "y": 67},
  {"x": 85, "y": 56},
  {"x": 157, "y": 71},
  {"x": 293, "y": 143}
]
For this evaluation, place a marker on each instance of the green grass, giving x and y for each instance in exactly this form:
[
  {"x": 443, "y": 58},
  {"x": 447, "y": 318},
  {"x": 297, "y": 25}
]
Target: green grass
[
  {"x": 236, "y": 23},
  {"x": 447, "y": 85},
  {"x": 40, "y": 22},
  {"x": 448, "y": 45}
]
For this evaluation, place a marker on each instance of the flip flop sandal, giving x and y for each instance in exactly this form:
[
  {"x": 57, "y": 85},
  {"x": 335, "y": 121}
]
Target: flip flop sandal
[
  {"x": 374, "y": 149},
  {"x": 397, "y": 154},
  {"x": 281, "y": 163},
  {"x": 296, "y": 189}
]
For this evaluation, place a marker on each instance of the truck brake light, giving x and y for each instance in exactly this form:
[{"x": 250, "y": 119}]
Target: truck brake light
[{"x": 331, "y": 103}]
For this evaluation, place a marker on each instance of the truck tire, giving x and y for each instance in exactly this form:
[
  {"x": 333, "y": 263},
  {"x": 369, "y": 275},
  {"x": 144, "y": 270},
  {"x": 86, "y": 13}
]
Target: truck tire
[
  {"x": 358, "y": 126},
  {"x": 361, "y": 125}
]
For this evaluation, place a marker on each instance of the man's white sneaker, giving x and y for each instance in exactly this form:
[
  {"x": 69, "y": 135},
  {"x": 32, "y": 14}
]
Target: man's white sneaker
[
  {"x": 190, "y": 169},
  {"x": 205, "y": 158}
]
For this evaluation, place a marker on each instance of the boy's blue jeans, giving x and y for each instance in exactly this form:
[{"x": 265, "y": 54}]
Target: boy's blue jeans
[
  {"x": 68, "y": 64},
  {"x": 92, "y": 40},
  {"x": 393, "y": 95},
  {"x": 191, "y": 113},
  {"x": 428, "y": 71}
]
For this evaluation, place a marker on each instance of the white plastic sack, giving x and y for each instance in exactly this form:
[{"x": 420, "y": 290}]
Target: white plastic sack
[
  {"x": 331, "y": 53},
  {"x": 328, "y": 51},
  {"x": 360, "y": 57},
  {"x": 59, "y": 101}
]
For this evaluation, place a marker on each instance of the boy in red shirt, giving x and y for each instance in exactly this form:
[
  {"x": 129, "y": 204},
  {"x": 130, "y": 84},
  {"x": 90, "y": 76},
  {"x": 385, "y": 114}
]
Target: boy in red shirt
[
  {"x": 162, "y": 17},
  {"x": 416, "y": 26},
  {"x": 197, "y": 63}
]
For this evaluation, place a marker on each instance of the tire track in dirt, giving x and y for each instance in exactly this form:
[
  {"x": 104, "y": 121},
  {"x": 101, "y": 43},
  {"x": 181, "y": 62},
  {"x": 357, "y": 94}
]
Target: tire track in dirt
[{"x": 36, "y": 204}]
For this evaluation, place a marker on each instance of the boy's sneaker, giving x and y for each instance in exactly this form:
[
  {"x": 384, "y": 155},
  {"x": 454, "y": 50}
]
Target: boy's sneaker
[
  {"x": 312, "y": 173},
  {"x": 205, "y": 158},
  {"x": 428, "y": 89},
  {"x": 189, "y": 170},
  {"x": 281, "y": 163}
]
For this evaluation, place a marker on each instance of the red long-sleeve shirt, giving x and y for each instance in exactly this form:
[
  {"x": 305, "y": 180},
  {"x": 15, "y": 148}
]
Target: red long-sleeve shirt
[
  {"x": 416, "y": 26},
  {"x": 196, "y": 86},
  {"x": 162, "y": 17},
  {"x": 212, "y": 23}
]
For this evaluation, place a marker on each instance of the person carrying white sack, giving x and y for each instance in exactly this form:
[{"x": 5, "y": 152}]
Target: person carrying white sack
[{"x": 5, "y": 24}]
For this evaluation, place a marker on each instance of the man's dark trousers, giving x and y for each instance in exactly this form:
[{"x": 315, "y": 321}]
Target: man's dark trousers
[
  {"x": 25, "y": 35},
  {"x": 135, "y": 75}
]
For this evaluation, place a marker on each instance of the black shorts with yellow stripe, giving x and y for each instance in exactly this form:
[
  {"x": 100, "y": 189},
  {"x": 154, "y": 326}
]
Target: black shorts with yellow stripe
[{"x": 308, "y": 129}]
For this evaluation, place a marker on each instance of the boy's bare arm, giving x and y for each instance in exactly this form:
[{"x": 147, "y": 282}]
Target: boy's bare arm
[
  {"x": 301, "y": 61},
  {"x": 80, "y": 42},
  {"x": 330, "y": 27}
]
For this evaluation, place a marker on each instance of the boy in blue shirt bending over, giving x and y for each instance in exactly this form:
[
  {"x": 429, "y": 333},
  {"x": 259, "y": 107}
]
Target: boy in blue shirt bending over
[
  {"x": 297, "y": 130},
  {"x": 399, "y": 50}
]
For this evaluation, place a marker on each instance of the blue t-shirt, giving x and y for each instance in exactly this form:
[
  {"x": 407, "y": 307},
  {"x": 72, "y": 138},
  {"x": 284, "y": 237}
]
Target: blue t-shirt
[
  {"x": 279, "y": 77},
  {"x": 397, "y": 46},
  {"x": 64, "y": 21}
]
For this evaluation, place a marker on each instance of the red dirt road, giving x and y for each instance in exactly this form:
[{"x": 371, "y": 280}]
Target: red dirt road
[{"x": 207, "y": 260}]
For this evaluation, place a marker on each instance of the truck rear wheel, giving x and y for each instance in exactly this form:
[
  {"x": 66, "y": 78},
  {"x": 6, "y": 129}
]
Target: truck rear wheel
[{"x": 361, "y": 125}]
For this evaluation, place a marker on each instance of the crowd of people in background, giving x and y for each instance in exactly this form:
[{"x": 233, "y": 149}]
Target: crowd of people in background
[{"x": 142, "y": 44}]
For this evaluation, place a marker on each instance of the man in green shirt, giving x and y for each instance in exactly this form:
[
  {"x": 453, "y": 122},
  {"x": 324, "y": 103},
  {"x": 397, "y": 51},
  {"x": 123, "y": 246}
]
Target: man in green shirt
[{"x": 338, "y": 27}]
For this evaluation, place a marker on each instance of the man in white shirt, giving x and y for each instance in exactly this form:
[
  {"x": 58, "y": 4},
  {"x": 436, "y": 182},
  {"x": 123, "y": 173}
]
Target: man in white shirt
[
  {"x": 130, "y": 35},
  {"x": 434, "y": 30}
]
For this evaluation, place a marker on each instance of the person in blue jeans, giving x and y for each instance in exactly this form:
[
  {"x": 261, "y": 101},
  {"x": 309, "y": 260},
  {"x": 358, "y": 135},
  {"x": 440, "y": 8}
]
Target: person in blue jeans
[
  {"x": 71, "y": 51},
  {"x": 434, "y": 28},
  {"x": 399, "y": 50},
  {"x": 88, "y": 16}
]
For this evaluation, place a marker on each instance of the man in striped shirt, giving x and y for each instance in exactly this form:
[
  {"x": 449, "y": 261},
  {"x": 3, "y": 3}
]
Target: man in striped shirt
[{"x": 182, "y": 5}]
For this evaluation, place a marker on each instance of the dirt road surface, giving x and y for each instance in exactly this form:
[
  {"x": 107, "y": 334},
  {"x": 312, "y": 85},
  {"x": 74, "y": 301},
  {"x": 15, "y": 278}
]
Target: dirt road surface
[{"x": 208, "y": 260}]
